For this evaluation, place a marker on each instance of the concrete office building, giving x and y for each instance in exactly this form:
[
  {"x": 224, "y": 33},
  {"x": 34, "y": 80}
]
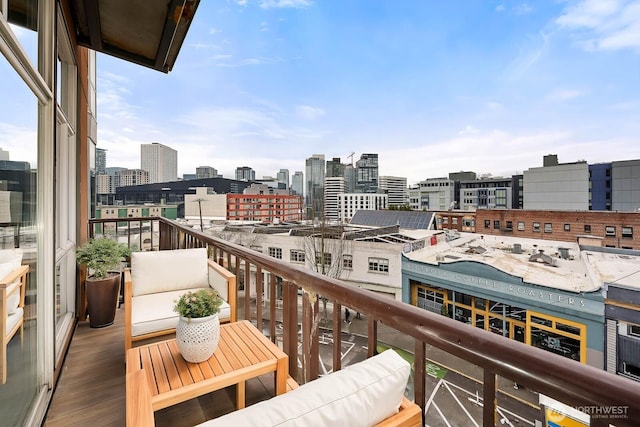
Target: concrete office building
[
  {"x": 333, "y": 188},
  {"x": 350, "y": 203},
  {"x": 625, "y": 180},
  {"x": 160, "y": 161},
  {"x": 487, "y": 193},
  {"x": 245, "y": 173},
  {"x": 432, "y": 194},
  {"x": 203, "y": 172},
  {"x": 129, "y": 177},
  {"x": 557, "y": 186},
  {"x": 396, "y": 188}
]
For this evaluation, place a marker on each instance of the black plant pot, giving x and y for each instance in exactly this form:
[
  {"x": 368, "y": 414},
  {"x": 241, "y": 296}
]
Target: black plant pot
[{"x": 102, "y": 298}]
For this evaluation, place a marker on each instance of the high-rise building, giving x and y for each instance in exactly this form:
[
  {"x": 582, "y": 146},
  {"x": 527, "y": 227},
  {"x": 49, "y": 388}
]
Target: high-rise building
[
  {"x": 283, "y": 177},
  {"x": 101, "y": 161},
  {"x": 297, "y": 183},
  {"x": 367, "y": 173},
  {"x": 335, "y": 168},
  {"x": 245, "y": 173},
  {"x": 315, "y": 183},
  {"x": 206, "y": 172},
  {"x": 396, "y": 188},
  {"x": 160, "y": 161},
  {"x": 333, "y": 188}
]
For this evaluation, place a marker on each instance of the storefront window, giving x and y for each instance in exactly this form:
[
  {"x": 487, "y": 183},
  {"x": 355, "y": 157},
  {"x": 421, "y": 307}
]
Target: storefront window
[{"x": 555, "y": 343}]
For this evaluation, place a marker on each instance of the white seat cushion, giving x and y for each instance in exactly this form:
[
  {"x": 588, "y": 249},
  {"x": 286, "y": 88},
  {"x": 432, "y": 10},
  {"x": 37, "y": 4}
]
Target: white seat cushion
[
  {"x": 13, "y": 319},
  {"x": 363, "y": 394},
  {"x": 154, "y": 312},
  {"x": 162, "y": 271}
]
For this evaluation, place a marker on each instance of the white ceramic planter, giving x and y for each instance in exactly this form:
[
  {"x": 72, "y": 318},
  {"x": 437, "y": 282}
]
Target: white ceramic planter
[{"x": 198, "y": 337}]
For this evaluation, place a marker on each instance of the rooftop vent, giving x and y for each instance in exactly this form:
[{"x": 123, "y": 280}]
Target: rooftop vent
[
  {"x": 542, "y": 258},
  {"x": 517, "y": 248},
  {"x": 564, "y": 253}
]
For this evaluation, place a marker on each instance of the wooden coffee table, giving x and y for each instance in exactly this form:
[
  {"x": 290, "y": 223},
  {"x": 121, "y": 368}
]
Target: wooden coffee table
[{"x": 243, "y": 353}]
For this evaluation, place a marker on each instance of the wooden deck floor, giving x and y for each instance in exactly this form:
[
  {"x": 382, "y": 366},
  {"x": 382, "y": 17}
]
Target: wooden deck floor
[{"x": 91, "y": 388}]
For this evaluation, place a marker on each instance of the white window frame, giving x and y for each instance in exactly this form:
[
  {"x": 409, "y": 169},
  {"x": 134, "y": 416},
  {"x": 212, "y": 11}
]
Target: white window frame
[
  {"x": 275, "y": 252},
  {"x": 378, "y": 265}
]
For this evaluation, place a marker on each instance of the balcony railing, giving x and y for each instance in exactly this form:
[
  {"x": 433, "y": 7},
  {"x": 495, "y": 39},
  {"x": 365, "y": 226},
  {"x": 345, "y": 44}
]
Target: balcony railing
[{"x": 562, "y": 379}]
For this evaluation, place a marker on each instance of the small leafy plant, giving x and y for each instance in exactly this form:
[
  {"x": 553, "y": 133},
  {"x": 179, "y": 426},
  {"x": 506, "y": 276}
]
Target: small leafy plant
[
  {"x": 102, "y": 255},
  {"x": 201, "y": 303}
]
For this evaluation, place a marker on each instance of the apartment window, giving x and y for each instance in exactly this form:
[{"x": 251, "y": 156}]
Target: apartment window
[
  {"x": 634, "y": 330},
  {"x": 347, "y": 262},
  {"x": 509, "y": 226},
  {"x": 627, "y": 232},
  {"x": 587, "y": 228},
  {"x": 379, "y": 265},
  {"x": 275, "y": 253},
  {"x": 610, "y": 231},
  {"x": 496, "y": 224},
  {"x": 326, "y": 258},
  {"x": 454, "y": 221},
  {"x": 548, "y": 227},
  {"x": 520, "y": 225},
  {"x": 536, "y": 227},
  {"x": 567, "y": 227},
  {"x": 487, "y": 223},
  {"x": 296, "y": 255}
]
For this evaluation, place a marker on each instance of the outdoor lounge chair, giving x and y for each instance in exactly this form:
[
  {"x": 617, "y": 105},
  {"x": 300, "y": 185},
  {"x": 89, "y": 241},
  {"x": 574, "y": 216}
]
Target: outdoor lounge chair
[{"x": 156, "y": 280}]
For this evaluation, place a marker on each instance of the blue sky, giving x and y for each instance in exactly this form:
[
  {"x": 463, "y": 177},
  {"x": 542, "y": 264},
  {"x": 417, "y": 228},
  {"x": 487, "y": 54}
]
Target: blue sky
[{"x": 433, "y": 87}]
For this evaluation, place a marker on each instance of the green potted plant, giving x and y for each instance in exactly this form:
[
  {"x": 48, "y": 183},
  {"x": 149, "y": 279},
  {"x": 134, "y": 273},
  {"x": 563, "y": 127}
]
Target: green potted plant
[
  {"x": 198, "y": 329},
  {"x": 102, "y": 256}
]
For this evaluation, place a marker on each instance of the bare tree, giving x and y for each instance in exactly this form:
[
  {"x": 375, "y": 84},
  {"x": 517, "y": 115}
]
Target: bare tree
[{"x": 325, "y": 248}]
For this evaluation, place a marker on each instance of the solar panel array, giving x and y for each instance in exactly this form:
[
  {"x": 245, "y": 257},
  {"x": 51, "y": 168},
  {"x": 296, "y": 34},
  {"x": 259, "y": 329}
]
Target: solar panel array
[{"x": 411, "y": 220}]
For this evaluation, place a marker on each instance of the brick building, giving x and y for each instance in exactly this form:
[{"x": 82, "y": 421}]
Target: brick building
[{"x": 615, "y": 229}]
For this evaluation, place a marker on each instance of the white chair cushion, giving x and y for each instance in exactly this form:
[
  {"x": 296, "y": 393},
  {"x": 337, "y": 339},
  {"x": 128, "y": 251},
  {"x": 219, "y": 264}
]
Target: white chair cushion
[
  {"x": 13, "y": 319},
  {"x": 13, "y": 302},
  {"x": 6, "y": 268},
  {"x": 162, "y": 271},
  {"x": 154, "y": 312},
  {"x": 363, "y": 394},
  {"x": 13, "y": 256}
]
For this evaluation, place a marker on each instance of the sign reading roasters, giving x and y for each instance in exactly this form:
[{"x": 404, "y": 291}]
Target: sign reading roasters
[{"x": 536, "y": 295}]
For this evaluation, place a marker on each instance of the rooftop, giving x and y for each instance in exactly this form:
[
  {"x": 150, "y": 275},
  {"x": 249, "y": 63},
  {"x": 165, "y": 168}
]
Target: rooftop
[{"x": 556, "y": 264}]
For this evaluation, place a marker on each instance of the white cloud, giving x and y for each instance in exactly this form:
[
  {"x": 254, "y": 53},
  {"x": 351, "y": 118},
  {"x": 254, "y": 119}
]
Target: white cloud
[
  {"x": 308, "y": 112},
  {"x": 264, "y": 26},
  {"x": 500, "y": 8},
  {"x": 214, "y": 31},
  {"x": 529, "y": 56},
  {"x": 296, "y": 4},
  {"x": 603, "y": 24}
]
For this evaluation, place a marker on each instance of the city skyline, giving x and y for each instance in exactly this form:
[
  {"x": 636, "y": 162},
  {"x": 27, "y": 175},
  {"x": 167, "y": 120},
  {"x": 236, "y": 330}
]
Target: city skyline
[{"x": 490, "y": 87}]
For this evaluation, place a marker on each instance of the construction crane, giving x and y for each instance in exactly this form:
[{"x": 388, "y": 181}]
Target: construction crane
[{"x": 351, "y": 156}]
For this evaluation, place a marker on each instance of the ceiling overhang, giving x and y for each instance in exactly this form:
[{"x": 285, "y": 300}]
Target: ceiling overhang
[{"x": 145, "y": 32}]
